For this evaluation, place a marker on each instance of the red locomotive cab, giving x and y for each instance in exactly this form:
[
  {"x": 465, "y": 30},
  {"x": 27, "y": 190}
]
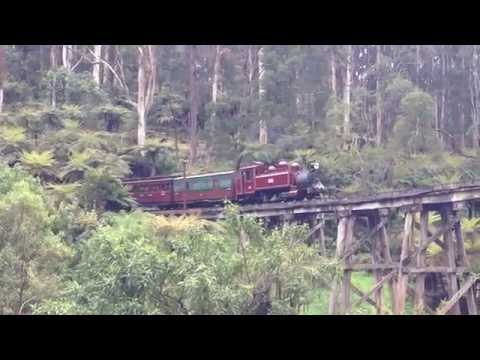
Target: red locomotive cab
[
  {"x": 245, "y": 182},
  {"x": 274, "y": 179}
]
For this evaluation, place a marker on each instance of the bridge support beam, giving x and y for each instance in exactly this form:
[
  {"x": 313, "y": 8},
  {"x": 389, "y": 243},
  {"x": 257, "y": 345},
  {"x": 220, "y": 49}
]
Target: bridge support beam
[
  {"x": 341, "y": 288},
  {"x": 451, "y": 255},
  {"x": 380, "y": 253},
  {"x": 317, "y": 232},
  {"x": 412, "y": 262}
]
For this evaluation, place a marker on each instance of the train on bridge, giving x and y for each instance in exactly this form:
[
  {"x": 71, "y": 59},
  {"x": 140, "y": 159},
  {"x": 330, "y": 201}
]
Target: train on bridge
[{"x": 254, "y": 183}]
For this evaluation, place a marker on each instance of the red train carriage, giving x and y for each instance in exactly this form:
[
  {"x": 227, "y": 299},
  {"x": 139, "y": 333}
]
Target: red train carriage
[
  {"x": 212, "y": 187},
  {"x": 151, "y": 191},
  {"x": 257, "y": 182}
]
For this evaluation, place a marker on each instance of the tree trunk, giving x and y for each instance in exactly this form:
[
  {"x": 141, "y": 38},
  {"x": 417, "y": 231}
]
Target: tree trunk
[
  {"x": 437, "y": 115},
  {"x": 476, "y": 88},
  {"x": 300, "y": 99},
  {"x": 346, "y": 98},
  {"x": 175, "y": 132},
  {"x": 107, "y": 73},
  {"x": 97, "y": 49},
  {"x": 53, "y": 57},
  {"x": 141, "y": 103},
  {"x": 441, "y": 122},
  {"x": 333, "y": 73},
  {"x": 118, "y": 66},
  {"x": 473, "y": 101},
  {"x": 251, "y": 70},
  {"x": 194, "y": 101},
  {"x": 263, "y": 131},
  {"x": 216, "y": 91},
  {"x": 53, "y": 67},
  {"x": 67, "y": 56},
  {"x": 461, "y": 125},
  {"x": 147, "y": 75},
  {"x": 379, "y": 137},
  {"x": 216, "y": 73},
  {"x": 417, "y": 63},
  {"x": 141, "y": 131},
  {"x": 42, "y": 58},
  {"x": 3, "y": 75}
]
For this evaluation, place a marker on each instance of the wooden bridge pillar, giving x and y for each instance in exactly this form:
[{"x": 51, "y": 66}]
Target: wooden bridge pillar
[
  {"x": 401, "y": 281},
  {"x": 321, "y": 235},
  {"x": 419, "y": 300},
  {"x": 380, "y": 253},
  {"x": 451, "y": 255},
  {"x": 340, "y": 295},
  {"x": 288, "y": 219},
  {"x": 317, "y": 232},
  {"x": 463, "y": 261}
]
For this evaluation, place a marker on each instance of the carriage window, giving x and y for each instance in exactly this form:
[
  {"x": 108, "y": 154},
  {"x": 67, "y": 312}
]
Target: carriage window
[
  {"x": 224, "y": 182},
  {"x": 202, "y": 184},
  {"x": 248, "y": 175},
  {"x": 179, "y": 185},
  {"x": 159, "y": 187}
]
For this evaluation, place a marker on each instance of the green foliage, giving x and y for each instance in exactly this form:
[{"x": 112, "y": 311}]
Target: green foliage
[
  {"x": 115, "y": 117},
  {"x": 73, "y": 224},
  {"x": 376, "y": 172},
  {"x": 470, "y": 170},
  {"x": 395, "y": 91},
  {"x": 154, "y": 158},
  {"x": 31, "y": 256},
  {"x": 38, "y": 163},
  {"x": 76, "y": 88},
  {"x": 12, "y": 141},
  {"x": 35, "y": 160},
  {"x": 268, "y": 154},
  {"x": 168, "y": 107},
  {"x": 141, "y": 264},
  {"x": 100, "y": 190},
  {"x": 12, "y": 134},
  {"x": 414, "y": 129},
  {"x": 17, "y": 92}
]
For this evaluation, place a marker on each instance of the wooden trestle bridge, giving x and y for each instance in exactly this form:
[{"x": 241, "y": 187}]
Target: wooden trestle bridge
[{"x": 450, "y": 201}]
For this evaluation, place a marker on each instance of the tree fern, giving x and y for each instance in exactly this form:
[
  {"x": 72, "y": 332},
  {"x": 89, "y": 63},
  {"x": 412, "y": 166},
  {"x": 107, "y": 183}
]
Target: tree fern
[
  {"x": 39, "y": 163},
  {"x": 12, "y": 134}
]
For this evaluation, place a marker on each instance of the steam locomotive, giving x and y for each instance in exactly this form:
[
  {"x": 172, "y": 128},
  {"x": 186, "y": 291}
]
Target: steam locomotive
[{"x": 254, "y": 183}]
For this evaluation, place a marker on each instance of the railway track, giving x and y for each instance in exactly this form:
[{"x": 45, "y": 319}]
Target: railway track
[{"x": 449, "y": 193}]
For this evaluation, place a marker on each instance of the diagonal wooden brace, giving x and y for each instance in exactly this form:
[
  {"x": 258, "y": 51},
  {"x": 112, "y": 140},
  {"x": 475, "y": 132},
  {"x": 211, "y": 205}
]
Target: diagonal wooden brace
[
  {"x": 376, "y": 287},
  {"x": 445, "y": 308}
]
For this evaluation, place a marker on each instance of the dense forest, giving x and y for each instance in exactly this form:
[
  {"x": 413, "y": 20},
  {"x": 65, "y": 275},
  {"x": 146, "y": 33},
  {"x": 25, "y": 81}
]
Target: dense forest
[{"x": 77, "y": 119}]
